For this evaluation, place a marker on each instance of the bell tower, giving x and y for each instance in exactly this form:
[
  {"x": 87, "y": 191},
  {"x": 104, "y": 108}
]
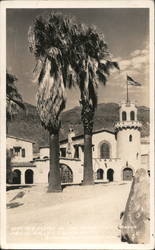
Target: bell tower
[{"x": 128, "y": 134}]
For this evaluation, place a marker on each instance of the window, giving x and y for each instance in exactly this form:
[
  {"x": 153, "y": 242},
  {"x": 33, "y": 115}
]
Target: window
[
  {"x": 105, "y": 151},
  {"x": 76, "y": 155},
  {"x": 130, "y": 137},
  {"x": 63, "y": 152},
  {"x": 123, "y": 116},
  {"x": 132, "y": 115},
  {"x": 17, "y": 151},
  {"x": 23, "y": 152}
]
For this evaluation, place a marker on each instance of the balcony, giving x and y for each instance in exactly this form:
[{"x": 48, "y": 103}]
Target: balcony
[{"x": 128, "y": 124}]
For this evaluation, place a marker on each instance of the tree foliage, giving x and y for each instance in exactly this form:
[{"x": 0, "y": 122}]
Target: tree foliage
[
  {"x": 67, "y": 53},
  {"x": 14, "y": 99}
]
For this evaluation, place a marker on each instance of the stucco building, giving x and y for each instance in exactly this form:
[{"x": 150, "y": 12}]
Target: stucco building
[
  {"x": 116, "y": 154},
  {"x": 21, "y": 151}
]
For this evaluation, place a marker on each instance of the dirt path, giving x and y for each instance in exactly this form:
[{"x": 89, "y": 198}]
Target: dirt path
[{"x": 86, "y": 215}]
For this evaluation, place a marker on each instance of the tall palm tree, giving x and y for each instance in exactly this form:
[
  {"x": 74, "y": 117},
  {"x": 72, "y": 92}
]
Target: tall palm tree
[
  {"x": 13, "y": 98},
  {"x": 50, "y": 42},
  {"x": 91, "y": 60},
  {"x": 67, "y": 54}
]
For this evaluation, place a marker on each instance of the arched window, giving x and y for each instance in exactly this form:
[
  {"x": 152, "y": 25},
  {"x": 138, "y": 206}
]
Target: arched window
[
  {"x": 16, "y": 176},
  {"x": 123, "y": 116},
  {"x": 130, "y": 137},
  {"x": 105, "y": 151},
  {"x": 132, "y": 115}
]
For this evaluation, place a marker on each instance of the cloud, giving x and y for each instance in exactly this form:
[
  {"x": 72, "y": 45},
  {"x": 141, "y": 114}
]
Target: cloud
[{"x": 136, "y": 65}]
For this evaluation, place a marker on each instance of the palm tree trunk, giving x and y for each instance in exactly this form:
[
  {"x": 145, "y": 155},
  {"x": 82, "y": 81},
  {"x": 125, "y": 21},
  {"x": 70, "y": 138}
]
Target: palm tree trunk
[
  {"x": 54, "y": 177},
  {"x": 87, "y": 115},
  {"x": 88, "y": 164}
]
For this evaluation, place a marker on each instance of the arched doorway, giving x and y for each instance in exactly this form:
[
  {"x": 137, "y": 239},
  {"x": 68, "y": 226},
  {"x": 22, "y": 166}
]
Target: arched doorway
[
  {"x": 110, "y": 174},
  {"x": 100, "y": 174},
  {"x": 66, "y": 174},
  {"x": 16, "y": 176},
  {"x": 127, "y": 174},
  {"x": 28, "y": 176}
]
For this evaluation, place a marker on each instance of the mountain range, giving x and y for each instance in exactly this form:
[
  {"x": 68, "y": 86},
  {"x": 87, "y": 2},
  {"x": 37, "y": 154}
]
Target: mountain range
[{"x": 27, "y": 124}]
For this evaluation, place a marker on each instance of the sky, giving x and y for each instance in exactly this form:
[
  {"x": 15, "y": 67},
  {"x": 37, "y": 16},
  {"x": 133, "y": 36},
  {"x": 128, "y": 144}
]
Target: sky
[{"x": 126, "y": 31}]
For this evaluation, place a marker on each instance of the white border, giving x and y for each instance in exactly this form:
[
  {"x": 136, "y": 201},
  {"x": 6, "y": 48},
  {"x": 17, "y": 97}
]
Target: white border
[{"x": 70, "y": 4}]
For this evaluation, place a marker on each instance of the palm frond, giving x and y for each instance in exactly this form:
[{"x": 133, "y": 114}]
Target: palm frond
[
  {"x": 17, "y": 102},
  {"x": 102, "y": 78},
  {"x": 50, "y": 97},
  {"x": 70, "y": 54},
  {"x": 112, "y": 65},
  {"x": 14, "y": 99}
]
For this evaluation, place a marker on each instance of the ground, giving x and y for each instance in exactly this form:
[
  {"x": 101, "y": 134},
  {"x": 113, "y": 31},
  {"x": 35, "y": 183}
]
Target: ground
[{"x": 80, "y": 214}]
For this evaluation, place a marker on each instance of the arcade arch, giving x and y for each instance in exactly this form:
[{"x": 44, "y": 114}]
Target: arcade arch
[
  {"x": 29, "y": 176},
  {"x": 66, "y": 174},
  {"x": 16, "y": 176}
]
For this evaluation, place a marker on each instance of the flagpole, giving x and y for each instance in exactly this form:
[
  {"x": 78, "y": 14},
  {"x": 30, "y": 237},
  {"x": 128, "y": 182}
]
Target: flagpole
[{"x": 127, "y": 94}]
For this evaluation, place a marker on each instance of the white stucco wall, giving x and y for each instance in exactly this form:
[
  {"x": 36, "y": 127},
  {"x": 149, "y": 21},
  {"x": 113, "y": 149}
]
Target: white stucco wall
[
  {"x": 43, "y": 169},
  {"x": 127, "y": 150},
  {"x": 145, "y": 148},
  {"x": 76, "y": 166},
  {"x": 99, "y": 138},
  {"x": 44, "y": 151},
  {"x": 12, "y": 142}
]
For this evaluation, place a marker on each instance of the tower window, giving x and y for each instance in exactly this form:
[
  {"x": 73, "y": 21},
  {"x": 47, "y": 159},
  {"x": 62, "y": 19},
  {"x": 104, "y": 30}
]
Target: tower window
[
  {"x": 132, "y": 115},
  {"x": 130, "y": 137},
  {"x": 123, "y": 116}
]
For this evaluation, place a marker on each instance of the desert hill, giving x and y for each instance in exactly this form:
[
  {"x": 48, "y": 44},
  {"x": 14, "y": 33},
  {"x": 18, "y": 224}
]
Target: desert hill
[{"x": 27, "y": 124}]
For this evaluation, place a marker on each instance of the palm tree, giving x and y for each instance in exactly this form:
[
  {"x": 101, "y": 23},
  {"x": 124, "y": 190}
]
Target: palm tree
[
  {"x": 67, "y": 54},
  {"x": 50, "y": 42},
  {"x": 13, "y": 98},
  {"x": 91, "y": 60}
]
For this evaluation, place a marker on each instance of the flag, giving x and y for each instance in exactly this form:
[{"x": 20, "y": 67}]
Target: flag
[{"x": 132, "y": 82}]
